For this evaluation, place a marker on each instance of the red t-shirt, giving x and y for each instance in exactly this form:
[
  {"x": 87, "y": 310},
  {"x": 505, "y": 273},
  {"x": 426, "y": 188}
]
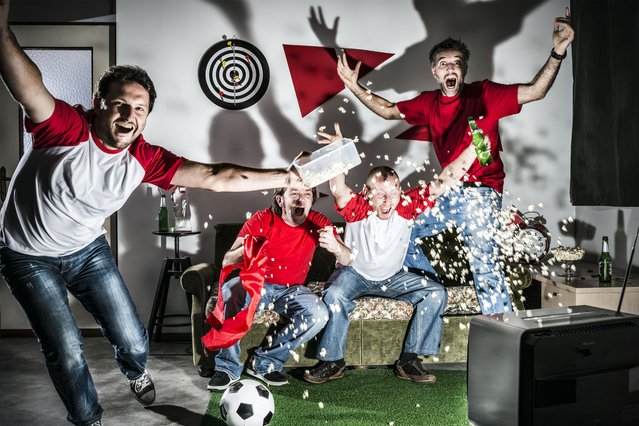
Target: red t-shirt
[
  {"x": 446, "y": 120},
  {"x": 289, "y": 249}
]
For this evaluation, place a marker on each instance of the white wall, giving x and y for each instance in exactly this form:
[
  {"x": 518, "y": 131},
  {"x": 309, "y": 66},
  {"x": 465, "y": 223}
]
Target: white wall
[{"x": 509, "y": 42}]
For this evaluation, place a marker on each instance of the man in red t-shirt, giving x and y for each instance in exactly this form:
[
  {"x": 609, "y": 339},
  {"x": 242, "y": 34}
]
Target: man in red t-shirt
[
  {"x": 472, "y": 207},
  {"x": 292, "y": 231}
]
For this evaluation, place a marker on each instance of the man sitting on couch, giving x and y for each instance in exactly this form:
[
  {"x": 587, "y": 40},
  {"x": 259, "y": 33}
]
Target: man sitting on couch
[
  {"x": 379, "y": 222},
  {"x": 292, "y": 231}
]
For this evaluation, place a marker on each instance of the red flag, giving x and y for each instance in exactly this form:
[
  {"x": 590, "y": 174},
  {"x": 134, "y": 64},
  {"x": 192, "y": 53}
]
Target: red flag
[{"x": 225, "y": 332}]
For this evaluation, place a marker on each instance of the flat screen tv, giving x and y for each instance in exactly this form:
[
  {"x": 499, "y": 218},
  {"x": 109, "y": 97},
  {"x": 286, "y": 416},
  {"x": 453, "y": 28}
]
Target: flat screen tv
[{"x": 555, "y": 366}]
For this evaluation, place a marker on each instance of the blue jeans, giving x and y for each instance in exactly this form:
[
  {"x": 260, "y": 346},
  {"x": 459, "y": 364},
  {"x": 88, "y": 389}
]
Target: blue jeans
[
  {"x": 346, "y": 284},
  {"x": 306, "y": 313},
  {"x": 40, "y": 285},
  {"x": 474, "y": 212}
]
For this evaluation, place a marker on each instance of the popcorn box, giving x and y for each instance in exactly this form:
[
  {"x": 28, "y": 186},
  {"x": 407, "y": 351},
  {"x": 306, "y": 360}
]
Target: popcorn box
[{"x": 328, "y": 162}]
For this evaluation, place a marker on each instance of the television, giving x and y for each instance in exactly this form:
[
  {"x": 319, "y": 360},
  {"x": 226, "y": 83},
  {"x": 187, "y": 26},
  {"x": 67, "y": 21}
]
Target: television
[{"x": 554, "y": 366}]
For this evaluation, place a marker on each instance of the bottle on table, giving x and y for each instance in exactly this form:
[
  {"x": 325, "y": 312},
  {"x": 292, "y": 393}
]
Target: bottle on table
[
  {"x": 605, "y": 262},
  {"x": 181, "y": 209},
  {"x": 163, "y": 215},
  {"x": 482, "y": 145}
]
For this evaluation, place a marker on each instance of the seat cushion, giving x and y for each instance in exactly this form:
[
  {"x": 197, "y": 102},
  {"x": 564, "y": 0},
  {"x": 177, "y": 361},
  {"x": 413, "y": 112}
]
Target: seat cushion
[{"x": 462, "y": 300}]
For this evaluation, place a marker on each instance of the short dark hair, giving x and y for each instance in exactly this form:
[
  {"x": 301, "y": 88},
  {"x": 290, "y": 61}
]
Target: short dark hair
[
  {"x": 125, "y": 74},
  {"x": 449, "y": 44},
  {"x": 280, "y": 191},
  {"x": 384, "y": 171}
]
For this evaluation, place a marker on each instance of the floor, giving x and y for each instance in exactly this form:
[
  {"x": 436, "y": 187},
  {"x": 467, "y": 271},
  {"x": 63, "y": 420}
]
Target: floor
[{"x": 27, "y": 396}]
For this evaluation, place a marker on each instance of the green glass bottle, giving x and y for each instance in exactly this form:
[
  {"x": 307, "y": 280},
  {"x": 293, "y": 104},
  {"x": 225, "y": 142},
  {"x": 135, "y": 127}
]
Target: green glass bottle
[
  {"x": 605, "y": 262},
  {"x": 482, "y": 146},
  {"x": 163, "y": 216}
]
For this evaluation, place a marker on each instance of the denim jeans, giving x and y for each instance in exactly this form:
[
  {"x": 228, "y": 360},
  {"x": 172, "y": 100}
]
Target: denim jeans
[
  {"x": 474, "y": 212},
  {"x": 306, "y": 313},
  {"x": 40, "y": 285},
  {"x": 346, "y": 284}
]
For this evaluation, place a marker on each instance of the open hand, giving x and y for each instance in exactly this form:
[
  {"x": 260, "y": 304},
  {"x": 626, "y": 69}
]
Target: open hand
[
  {"x": 328, "y": 138},
  {"x": 348, "y": 75}
]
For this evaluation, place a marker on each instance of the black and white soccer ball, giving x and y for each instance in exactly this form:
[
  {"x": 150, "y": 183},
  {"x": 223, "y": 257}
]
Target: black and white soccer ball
[{"x": 247, "y": 403}]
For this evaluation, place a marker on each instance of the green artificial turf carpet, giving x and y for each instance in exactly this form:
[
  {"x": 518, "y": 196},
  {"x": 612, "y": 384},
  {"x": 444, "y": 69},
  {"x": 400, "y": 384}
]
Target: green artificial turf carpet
[{"x": 365, "y": 397}]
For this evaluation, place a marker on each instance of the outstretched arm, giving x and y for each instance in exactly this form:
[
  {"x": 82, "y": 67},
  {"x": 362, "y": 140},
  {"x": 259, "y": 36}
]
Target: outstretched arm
[
  {"x": 21, "y": 76},
  {"x": 562, "y": 36},
  {"x": 377, "y": 104},
  {"x": 227, "y": 177}
]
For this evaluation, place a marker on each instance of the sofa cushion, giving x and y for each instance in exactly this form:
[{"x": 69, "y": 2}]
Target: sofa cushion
[{"x": 461, "y": 301}]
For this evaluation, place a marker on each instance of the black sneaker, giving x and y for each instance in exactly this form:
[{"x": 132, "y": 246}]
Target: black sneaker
[
  {"x": 274, "y": 378},
  {"x": 143, "y": 389},
  {"x": 414, "y": 371},
  {"x": 323, "y": 372},
  {"x": 96, "y": 423},
  {"x": 220, "y": 381}
]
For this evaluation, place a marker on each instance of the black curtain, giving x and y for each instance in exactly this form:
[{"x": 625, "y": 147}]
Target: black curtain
[{"x": 604, "y": 166}]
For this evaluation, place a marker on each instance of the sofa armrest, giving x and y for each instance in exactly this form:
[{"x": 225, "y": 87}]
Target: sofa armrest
[{"x": 198, "y": 282}]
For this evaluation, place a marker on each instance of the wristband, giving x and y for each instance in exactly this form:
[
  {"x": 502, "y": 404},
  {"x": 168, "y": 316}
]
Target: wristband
[{"x": 557, "y": 55}]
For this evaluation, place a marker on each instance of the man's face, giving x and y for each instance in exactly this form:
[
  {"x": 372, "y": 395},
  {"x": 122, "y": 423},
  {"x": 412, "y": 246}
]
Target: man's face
[
  {"x": 121, "y": 115},
  {"x": 449, "y": 71},
  {"x": 383, "y": 195},
  {"x": 296, "y": 203}
]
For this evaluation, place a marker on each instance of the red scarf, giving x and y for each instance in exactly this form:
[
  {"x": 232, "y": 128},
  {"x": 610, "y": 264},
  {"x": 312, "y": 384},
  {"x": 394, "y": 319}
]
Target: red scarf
[{"x": 225, "y": 332}]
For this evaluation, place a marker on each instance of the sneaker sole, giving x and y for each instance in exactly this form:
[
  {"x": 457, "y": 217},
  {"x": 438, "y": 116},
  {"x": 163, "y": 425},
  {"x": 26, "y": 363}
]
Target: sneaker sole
[
  {"x": 317, "y": 381},
  {"x": 264, "y": 379},
  {"x": 431, "y": 379}
]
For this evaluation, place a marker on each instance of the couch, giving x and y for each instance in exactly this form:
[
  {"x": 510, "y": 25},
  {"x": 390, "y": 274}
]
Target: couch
[{"x": 377, "y": 326}]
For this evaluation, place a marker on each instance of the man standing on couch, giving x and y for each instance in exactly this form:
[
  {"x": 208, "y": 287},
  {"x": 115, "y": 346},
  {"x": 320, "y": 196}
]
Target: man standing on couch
[
  {"x": 473, "y": 208},
  {"x": 82, "y": 168},
  {"x": 379, "y": 222},
  {"x": 291, "y": 231}
]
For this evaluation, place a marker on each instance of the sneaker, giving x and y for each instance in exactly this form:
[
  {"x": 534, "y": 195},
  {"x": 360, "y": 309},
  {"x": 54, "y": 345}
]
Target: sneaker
[
  {"x": 274, "y": 378},
  {"x": 220, "y": 381},
  {"x": 143, "y": 389},
  {"x": 96, "y": 423},
  {"x": 323, "y": 372},
  {"x": 414, "y": 371}
]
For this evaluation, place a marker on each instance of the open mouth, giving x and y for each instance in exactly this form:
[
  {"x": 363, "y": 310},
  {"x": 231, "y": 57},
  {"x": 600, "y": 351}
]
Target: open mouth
[
  {"x": 450, "y": 82},
  {"x": 298, "y": 211},
  {"x": 123, "y": 128}
]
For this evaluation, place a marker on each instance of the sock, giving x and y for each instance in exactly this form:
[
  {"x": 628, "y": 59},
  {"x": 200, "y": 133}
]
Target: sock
[{"x": 406, "y": 356}]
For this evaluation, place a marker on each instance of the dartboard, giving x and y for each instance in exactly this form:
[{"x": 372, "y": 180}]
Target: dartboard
[{"x": 233, "y": 74}]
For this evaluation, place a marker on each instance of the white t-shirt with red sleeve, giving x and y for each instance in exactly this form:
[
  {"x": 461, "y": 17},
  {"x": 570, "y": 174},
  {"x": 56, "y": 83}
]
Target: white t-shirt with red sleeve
[
  {"x": 289, "y": 249},
  {"x": 379, "y": 246},
  {"x": 69, "y": 183}
]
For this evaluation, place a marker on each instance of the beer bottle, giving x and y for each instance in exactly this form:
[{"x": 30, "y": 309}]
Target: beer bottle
[
  {"x": 163, "y": 215},
  {"x": 605, "y": 262},
  {"x": 482, "y": 146}
]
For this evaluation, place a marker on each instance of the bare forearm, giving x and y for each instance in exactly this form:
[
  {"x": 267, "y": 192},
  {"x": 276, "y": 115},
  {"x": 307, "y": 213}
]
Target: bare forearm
[
  {"x": 227, "y": 177},
  {"x": 341, "y": 192},
  {"x": 375, "y": 103},
  {"x": 343, "y": 255},
  {"x": 453, "y": 172},
  {"x": 541, "y": 84},
  {"x": 23, "y": 78}
]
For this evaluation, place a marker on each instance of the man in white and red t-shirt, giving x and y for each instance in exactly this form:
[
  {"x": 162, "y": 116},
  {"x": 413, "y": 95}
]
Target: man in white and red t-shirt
[
  {"x": 473, "y": 207},
  {"x": 82, "y": 168},
  {"x": 379, "y": 222},
  {"x": 292, "y": 231}
]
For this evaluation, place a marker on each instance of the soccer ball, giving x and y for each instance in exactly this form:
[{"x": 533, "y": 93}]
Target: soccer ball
[{"x": 247, "y": 403}]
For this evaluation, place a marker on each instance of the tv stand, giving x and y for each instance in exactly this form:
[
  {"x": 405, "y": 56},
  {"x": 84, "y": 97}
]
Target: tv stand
[{"x": 585, "y": 289}]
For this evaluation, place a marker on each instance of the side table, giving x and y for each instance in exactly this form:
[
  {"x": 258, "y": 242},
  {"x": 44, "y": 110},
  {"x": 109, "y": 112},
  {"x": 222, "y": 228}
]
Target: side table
[
  {"x": 585, "y": 289},
  {"x": 171, "y": 268}
]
